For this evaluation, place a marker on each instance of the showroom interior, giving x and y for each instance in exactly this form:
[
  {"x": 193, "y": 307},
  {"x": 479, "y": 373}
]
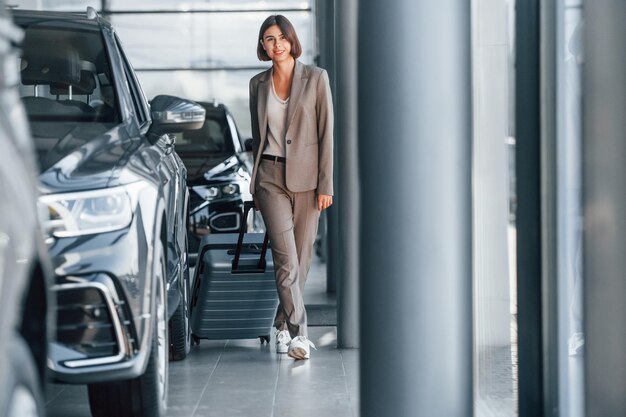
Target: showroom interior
[{"x": 472, "y": 262}]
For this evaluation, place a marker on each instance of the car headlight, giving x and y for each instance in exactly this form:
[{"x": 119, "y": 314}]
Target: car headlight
[
  {"x": 217, "y": 191},
  {"x": 89, "y": 212},
  {"x": 230, "y": 189}
]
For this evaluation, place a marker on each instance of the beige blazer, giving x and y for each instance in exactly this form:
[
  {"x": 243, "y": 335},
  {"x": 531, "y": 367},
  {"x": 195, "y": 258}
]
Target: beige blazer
[{"x": 309, "y": 133}]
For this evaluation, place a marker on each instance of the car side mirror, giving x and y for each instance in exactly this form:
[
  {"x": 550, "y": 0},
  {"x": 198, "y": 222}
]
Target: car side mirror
[
  {"x": 172, "y": 114},
  {"x": 247, "y": 144}
]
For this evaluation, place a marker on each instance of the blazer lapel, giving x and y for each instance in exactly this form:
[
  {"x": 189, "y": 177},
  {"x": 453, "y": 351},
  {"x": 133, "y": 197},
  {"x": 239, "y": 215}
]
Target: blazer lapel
[
  {"x": 300, "y": 78},
  {"x": 263, "y": 94}
]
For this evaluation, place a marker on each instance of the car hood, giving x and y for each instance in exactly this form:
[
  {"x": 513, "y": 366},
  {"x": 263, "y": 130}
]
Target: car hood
[{"x": 79, "y": 156}]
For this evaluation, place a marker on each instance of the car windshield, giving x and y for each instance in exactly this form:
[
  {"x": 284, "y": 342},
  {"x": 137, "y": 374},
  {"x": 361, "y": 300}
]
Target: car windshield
[
  {"x": 65, "y": 75},
  {"x": 212, "y": 139}
]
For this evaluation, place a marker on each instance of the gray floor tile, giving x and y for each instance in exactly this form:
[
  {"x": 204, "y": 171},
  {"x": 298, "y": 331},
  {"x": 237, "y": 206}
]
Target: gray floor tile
[
  {"x": 241, "y": 378},
  {"x": 70, "y": 401},
  {"x": 70, "y": 411}
]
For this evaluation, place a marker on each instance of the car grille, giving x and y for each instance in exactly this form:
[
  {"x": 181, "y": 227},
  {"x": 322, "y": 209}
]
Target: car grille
[
  {"x": 84, "y": 322},
  {"x": 226, "y": 222},
  {"x": 91, "y": 321}
]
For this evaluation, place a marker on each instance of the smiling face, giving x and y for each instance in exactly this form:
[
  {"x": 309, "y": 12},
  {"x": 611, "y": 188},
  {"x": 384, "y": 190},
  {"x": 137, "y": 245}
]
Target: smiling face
[
  {"x": 275, "y": 44},
  {"x": 277, "y": 34}
]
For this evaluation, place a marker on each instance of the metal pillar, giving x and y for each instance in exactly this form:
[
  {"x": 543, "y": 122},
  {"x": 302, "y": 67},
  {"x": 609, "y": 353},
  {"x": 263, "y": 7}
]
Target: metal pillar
[
  {"x": 550, "y": 157},
  {"x": 325, "y": 19},
  {"x": 604, "y": 205},
  {"x": 415, "y": 170},
  {"x": 530, "y": 247},
  {"x": 347, "y": 167}
]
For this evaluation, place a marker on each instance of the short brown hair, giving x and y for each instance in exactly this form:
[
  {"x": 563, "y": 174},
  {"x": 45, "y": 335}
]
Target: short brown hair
[{"x": 288, "y": 31}]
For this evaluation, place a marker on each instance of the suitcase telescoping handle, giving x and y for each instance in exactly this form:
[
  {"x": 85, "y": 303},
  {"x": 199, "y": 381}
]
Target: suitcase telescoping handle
[{"x": 247, "y": 206}]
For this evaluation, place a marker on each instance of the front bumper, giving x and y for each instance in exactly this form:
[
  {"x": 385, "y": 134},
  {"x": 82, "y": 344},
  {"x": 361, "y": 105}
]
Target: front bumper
[
  {"x": 104, "y": 300},
  {"x": 95, "y": 340}
]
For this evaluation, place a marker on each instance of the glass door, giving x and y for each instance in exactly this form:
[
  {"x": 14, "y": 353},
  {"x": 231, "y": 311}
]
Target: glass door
[{"x": 494, "y": 203}]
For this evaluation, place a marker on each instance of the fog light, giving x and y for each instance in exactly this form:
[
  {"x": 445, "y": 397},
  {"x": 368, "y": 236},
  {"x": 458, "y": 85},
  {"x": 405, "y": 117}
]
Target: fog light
[{"x": 212, "y": 192}]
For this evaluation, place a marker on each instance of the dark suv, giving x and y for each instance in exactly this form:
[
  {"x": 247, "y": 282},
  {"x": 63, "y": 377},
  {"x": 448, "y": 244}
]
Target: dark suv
[
  {"x": 117, "y": 198},
  {"x": 219, "y": 164},
  {"x": 25, "y": 273}
]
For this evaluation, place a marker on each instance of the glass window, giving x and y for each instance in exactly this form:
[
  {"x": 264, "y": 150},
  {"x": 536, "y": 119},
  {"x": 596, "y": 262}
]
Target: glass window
[
  {"x": 65, "y": 75},
  {"x": 70, "y": 5},
  {"x": 139, "y": 101},
  {"x": 200, "y": 40},
  {"x": 494, "y": 209},
  {"x": 212, "y": 139},
  {"x": 209, "y": 5},
  {"x": 219, "y": 49},
  {"x": 227, "y": 87}
]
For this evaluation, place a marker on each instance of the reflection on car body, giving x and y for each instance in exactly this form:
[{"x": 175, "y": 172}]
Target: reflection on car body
[
  {"x": 117, "y": 198},
  {"x": 218, "y": 166}
]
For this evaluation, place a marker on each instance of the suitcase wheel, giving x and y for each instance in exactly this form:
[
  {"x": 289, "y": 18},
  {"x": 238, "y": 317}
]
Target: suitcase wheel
[
  {"x": 195, "y": 340},
  {"x": 265, "y": 339}
]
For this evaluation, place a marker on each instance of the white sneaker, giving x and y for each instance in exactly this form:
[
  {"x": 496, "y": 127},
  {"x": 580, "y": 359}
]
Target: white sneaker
[
  {"x": 282, "y": 341},
  {"x": 299, "y": 347}
]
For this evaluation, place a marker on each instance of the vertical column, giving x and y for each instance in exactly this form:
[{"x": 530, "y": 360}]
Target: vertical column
[
  {"x": 415, "y": 170},
  {"x": 325, "y": 20},
  {"x": 604, "y": 206},
  {"x": 347, "y": 168},
  {"x": 105, "y": 9},
  {"x": 528, "y": 158}
]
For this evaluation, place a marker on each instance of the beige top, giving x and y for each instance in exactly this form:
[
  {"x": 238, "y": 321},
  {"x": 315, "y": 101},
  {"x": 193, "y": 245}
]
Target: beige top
[{"x": 276, "y": 124}]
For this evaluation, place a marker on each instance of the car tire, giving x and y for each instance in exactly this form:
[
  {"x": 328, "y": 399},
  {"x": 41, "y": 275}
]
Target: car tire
[
  {"x": 146, "y": 395},
  {"x": 180, "y": 329},
  {"x": 24, "y": 387}
]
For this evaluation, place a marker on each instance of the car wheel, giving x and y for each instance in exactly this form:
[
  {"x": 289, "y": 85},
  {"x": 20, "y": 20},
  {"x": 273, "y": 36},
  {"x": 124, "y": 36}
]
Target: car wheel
[
  {"x": 24, "y": 386},
  {"x": 180, "y": 330},
  {"x": 145, "y": 395}
]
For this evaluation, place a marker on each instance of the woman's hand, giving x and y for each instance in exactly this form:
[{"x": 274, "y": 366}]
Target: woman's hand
[{"x": 324, "y": 201}]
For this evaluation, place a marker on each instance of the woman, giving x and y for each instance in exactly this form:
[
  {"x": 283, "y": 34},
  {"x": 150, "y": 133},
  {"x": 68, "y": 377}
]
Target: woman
[{"x": 292, "y": 129}]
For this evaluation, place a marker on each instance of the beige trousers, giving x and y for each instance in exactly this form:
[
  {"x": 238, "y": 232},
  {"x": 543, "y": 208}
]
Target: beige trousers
[{"x": 291, "y": 220}]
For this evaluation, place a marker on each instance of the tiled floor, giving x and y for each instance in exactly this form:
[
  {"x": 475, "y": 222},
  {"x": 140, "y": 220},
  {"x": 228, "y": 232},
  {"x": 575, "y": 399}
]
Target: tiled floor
[{"x": 242, "y": 378}]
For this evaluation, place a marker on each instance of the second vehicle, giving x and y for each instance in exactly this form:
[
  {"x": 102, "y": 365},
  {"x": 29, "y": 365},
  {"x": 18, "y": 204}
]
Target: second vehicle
[{"x": 219, "y": 164}]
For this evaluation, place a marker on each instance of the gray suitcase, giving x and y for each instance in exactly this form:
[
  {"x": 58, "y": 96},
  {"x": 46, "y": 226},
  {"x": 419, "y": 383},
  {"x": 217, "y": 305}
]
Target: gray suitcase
[{"x": 234, "y": 290}]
